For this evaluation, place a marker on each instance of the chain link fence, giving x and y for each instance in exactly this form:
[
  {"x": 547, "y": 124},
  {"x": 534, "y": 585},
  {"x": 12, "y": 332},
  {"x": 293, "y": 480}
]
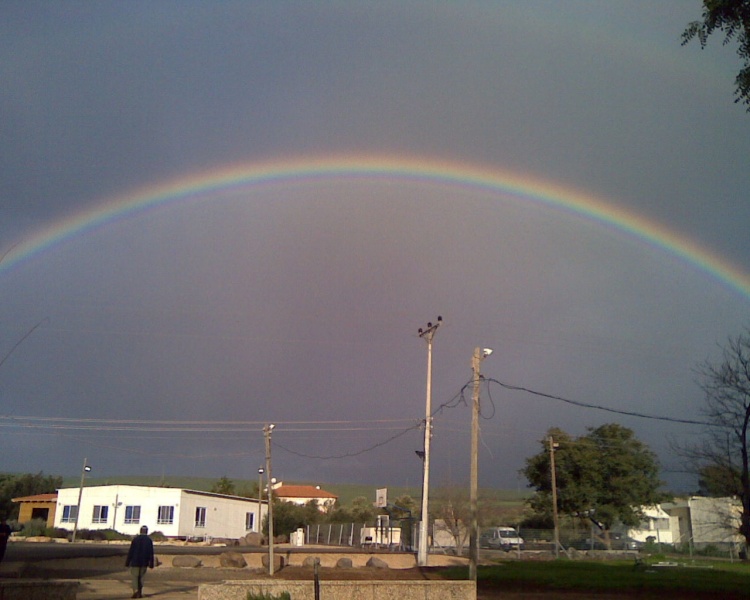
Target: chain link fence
[{"x": 397, "y": 536}]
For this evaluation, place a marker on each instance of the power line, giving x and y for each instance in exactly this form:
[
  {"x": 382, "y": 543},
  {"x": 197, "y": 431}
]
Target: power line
[
  {"x": 351, "y": 454},
  {"x": 603, "y": 408}
]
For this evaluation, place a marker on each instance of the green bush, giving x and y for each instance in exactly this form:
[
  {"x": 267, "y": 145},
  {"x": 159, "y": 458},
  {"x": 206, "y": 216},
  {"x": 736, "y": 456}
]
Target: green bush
[
  {"x": 100, "y": 535},
  {"x": 158, "y": 536},
  {"x": 264, "y": 596},
  {"x": 33, "y": 528},
  {"x": 56, "y": 532}
]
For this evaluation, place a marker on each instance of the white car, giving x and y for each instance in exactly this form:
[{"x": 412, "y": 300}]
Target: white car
[{"x": 505, "y": 538}]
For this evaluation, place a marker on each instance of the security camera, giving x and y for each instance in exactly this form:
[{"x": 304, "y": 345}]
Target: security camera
[{"x": 486, "y": 352}]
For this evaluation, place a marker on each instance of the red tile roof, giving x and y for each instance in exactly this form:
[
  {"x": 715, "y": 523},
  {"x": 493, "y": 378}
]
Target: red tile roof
[
  {"x": 301, "y": 491},
  {"x": 37, "y": 498}
]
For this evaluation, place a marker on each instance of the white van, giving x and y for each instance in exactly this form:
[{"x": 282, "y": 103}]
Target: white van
[{"x": 505, "y": 538}]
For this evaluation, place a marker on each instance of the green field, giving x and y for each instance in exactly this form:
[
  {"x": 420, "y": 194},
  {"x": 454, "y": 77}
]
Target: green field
[
  {"x": 709, "y": 578},
  {"x": 345, "y": 491}
]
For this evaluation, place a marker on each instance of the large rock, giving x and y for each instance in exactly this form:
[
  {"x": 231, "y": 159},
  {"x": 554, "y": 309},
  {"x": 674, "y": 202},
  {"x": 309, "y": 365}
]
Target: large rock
[
  {"x": 377, "y": 563},
  {"x": 278, "y": 561},
  {"x": 186, "y": 561},
  {"x": 252, "y": 539},
  {"x": 310, "y": 561},
  {"x": 344, "y": 563},
  {"x": 232, "y": 560}
]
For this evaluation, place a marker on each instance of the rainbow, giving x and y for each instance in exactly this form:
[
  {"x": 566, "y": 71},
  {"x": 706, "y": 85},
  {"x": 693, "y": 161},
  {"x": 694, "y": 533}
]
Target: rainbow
[{"x": 441, "y": 172}]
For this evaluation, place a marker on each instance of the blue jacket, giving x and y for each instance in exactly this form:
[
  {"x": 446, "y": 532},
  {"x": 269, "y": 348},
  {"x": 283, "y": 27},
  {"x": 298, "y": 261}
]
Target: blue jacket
[{"x": 141, "y": 553}]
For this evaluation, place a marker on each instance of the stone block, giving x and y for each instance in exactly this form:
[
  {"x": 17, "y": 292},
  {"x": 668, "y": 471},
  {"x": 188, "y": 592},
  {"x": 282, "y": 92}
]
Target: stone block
[
  {"x": 377, "y": 563},
  {"x": 186, "y": 561},
  {"x": 232, "y": 560}
]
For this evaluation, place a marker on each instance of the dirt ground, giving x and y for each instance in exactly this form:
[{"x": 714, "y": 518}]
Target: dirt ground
[{"x": 100, "y": 575}]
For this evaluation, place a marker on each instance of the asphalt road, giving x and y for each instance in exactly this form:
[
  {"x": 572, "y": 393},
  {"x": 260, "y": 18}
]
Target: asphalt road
[{"x": 33, "y": 551}]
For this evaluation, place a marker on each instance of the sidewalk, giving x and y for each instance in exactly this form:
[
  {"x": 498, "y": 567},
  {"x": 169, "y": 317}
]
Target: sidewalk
[
  {"x": 116, "y": 586},
  {"x": 110, "y": 589}
]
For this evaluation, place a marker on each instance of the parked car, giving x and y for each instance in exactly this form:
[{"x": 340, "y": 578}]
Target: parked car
[
  {"x": 504, "y": 538},
  {"x": 617, "y": 542}
]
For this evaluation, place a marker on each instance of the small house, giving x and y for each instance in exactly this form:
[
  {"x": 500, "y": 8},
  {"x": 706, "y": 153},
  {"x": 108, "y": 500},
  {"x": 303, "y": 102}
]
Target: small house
[
  {"x": 39, "y": 506},
  {"x": 302, "y": 494}
]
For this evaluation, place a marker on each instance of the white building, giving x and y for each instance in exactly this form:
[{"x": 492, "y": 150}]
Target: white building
[
  {"x": 656, "y": 524},
  {"x": 176, "y": 512},
  {"x": 706, "y": 521}
]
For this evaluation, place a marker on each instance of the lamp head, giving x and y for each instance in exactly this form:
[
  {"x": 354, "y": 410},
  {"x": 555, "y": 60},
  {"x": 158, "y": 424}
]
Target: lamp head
[{"x": 486, "y": 352}]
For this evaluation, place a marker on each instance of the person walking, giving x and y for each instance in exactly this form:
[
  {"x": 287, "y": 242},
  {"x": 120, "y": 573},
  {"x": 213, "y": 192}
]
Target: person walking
[
  {"x": 140, "y": 558},
  {"x": 5, "y": 532}
]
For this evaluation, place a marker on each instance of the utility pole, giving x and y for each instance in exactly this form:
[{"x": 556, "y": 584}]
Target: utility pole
[
  {"x": 555, "y": 520},
  {"x": 269, "y": 496},
  {"x": 476, "y": 362},
  {"x": 85, "y": 469},
  {"x": 422, "y": 554}
]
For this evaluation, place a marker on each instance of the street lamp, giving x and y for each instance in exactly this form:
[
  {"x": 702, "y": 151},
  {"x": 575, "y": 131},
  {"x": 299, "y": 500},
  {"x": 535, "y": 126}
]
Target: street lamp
[
  {"x": 86, "y": 468},
  {"x": 427, "y": 335},
  {"x": 260, "y": 497},
  {"x": 269, "y": 497},
  {"x": 476, "y": 362}
]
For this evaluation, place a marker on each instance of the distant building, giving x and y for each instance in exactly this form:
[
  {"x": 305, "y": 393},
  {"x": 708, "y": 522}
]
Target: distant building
[
  {"x": 706, "y": 521},
  {"x": 39, "y": 506},
  {"x": 302, "y": 494},
  {"x": 176, "y": 512},
  {"x": 656, "y": 526}
]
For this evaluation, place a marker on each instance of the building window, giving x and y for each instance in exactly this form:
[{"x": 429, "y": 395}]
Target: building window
[
  {"x": 132, "y": 515},
  {"x": 100, "y": 514},
  {"x": 70, "y": 513},
  {"x": 165, "y": 515},
  {"x": 200, "y": 516},
  {"x": 249, "y": 521}
]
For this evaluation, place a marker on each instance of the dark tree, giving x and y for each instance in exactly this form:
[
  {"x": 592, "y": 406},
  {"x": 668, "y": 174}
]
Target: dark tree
[
  {"x": 224, "y": 486},
  {"x": 722, "y": 458},
  {"x": 606, "y": 475},
  {"x": 732, "y": 17},
  {"x": 27, "y": 484}
]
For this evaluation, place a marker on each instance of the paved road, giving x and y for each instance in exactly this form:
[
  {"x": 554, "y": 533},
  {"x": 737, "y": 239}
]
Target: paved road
[{"x": 32, "y": 551}]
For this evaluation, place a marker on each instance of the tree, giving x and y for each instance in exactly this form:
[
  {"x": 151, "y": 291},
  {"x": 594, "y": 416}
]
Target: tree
[
  {"x": 451, "y": 511},
  {"x": 606, "y": 475},
  {"x": 27, "y": 484},
  {"x": 224, "y": 486},
  {"x": 723, "y": 457},
  {"x": 362, "y": 510},
  {"x": 733, "y": 18},
  {"x": 288, "y": 517},
  {"x": 403, "y": 507}
]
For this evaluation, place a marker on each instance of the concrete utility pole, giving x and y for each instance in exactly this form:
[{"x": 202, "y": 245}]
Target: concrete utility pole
[
  {"x": 269, "y": 496},
  {"x": 422, "y": 553},
  {"x": 552, "y": 447},
  {"x": 85, "y": 469},
  {"x": 476, "y": 362}
]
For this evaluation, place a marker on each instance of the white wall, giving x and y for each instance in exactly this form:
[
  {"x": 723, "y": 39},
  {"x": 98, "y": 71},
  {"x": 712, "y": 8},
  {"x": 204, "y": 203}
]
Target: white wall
[
  {"x": 714, "y": 520},
  {"x": 225, "y": 516},
  {"x": 656, "y": 523}
]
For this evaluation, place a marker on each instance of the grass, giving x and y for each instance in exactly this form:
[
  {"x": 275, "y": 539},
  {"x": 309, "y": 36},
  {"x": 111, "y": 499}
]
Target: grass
[{"x": 729, "y": 580}]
